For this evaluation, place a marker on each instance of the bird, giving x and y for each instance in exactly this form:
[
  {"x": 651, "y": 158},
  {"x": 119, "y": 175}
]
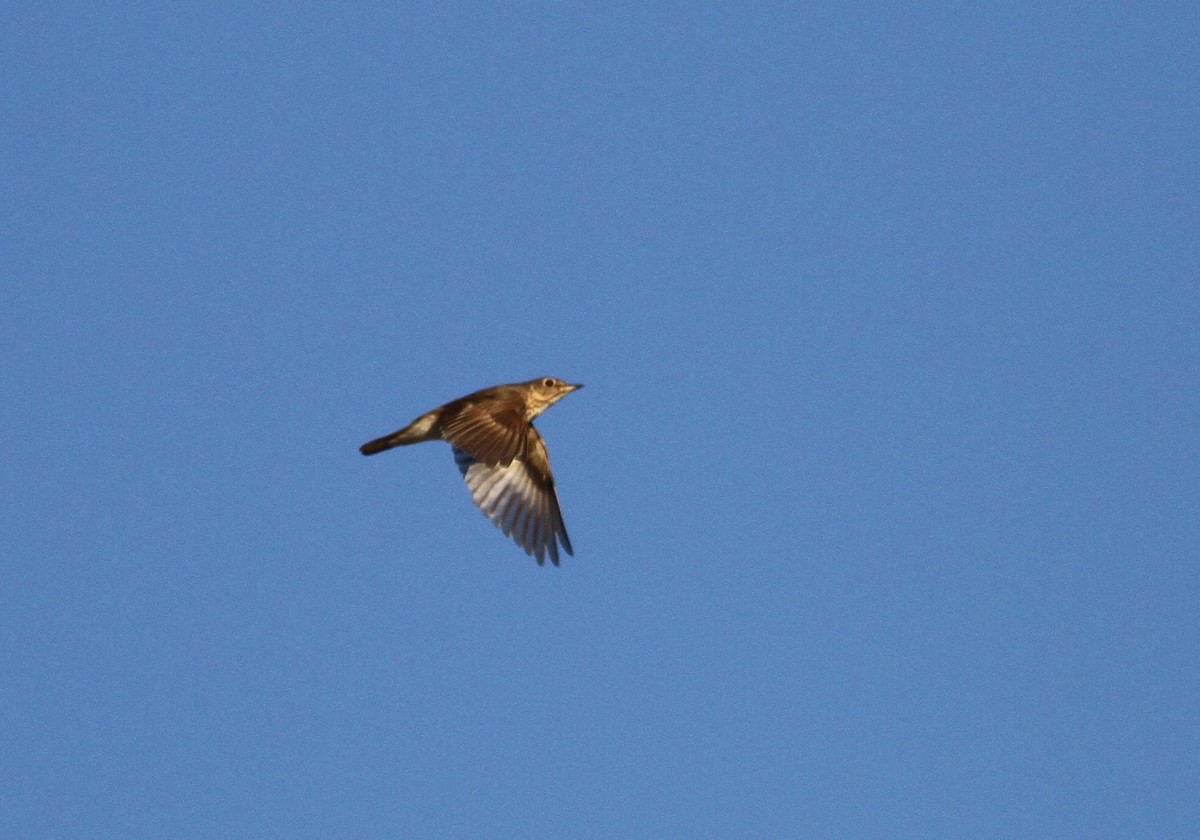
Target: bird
[{"x": 502, "y": 457}]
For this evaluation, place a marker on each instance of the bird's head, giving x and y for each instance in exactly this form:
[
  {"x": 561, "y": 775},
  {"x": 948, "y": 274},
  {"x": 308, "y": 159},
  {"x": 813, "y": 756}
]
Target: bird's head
[{"x": 546, "y": 391}]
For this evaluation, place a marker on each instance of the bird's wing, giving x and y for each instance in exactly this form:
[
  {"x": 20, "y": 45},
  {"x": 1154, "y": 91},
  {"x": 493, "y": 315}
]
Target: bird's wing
[
  {"x": 491, "y": 435},
  {"x": 520, "y": 499}
]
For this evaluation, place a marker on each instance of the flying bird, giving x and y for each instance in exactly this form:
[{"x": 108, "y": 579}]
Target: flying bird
[{"x": 502, "y": 457}]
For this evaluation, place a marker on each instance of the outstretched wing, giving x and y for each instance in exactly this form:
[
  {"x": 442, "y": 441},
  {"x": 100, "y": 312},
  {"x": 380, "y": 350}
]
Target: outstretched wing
[
  {"x": 490, "y": 435},
  {"x": 519, "y": 497}
]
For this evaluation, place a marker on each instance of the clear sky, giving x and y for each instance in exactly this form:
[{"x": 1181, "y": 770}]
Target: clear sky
[{"x": 884, "y": 488}]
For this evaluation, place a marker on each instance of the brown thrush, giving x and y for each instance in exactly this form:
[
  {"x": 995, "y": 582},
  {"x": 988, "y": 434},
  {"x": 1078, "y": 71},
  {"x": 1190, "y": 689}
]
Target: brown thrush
[{"x": 502, "y": 457}]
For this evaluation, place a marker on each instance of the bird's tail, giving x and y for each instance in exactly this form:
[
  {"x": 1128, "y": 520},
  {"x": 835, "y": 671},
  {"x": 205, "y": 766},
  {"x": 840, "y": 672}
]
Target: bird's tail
[
  {"x": 382, "y": 444},
  {"x": 421, "y": 429}
]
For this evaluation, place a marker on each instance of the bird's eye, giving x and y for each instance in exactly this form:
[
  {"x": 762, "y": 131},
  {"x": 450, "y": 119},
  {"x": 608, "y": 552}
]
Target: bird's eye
[{"x": 548, "y": 383}]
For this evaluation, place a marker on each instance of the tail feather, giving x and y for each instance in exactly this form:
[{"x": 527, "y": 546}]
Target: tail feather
[
  {"x": 382, "y": 444},
  {"x": 422, "y": 429}
]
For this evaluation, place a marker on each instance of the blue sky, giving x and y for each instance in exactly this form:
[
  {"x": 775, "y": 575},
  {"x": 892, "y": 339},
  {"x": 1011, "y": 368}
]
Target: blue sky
[{"x": 883, "y": 488}]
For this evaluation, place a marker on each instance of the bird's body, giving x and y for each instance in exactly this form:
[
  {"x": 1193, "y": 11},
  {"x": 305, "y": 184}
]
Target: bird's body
[{"x": 502, "y": 457}]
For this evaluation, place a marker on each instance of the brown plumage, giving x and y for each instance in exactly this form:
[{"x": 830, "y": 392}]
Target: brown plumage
[{"x": 502, "y": 457}]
